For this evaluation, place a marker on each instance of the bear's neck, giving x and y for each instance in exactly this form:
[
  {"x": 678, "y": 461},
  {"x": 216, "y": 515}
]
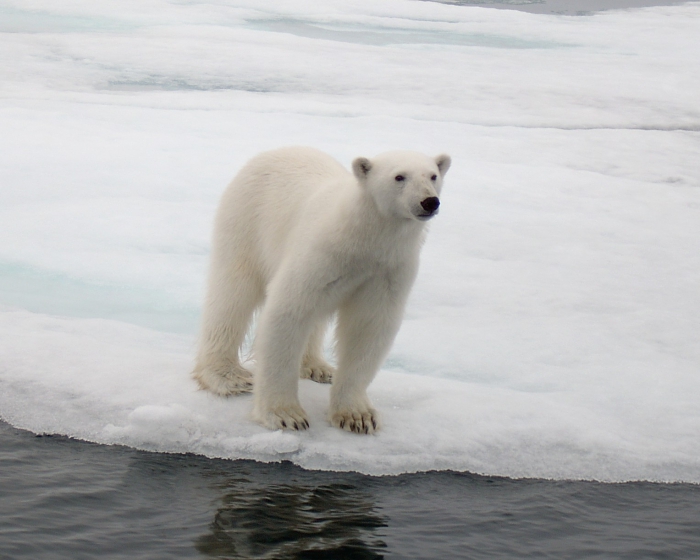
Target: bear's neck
[{"x": 367, "y": 225}]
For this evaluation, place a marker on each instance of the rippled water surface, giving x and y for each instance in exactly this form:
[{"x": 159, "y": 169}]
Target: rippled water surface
[{"x": 61, "y": 498}]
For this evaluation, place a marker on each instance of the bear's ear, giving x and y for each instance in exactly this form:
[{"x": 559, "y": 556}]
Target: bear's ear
[
  {"x": 361, "y": 167},
  {"x": 443, "y": 162}
]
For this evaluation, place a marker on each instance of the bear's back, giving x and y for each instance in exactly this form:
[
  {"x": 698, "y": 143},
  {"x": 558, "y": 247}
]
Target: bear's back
[{"x": 274, "y": 195}]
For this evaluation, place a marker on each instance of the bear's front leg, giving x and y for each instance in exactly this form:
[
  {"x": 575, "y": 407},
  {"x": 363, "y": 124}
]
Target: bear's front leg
[
  {"x": 367, "y": 325},
  {"x": 283, "y": 330},
  {"x": 275, "y": 393}
]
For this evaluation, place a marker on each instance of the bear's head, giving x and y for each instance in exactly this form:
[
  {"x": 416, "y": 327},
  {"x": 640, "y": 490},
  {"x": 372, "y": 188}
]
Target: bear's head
[{"x": 403, "y": 185}]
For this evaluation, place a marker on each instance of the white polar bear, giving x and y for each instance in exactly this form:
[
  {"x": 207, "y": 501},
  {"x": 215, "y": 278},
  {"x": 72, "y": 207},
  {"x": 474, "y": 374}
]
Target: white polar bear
[{"x": 298, "y": 232}]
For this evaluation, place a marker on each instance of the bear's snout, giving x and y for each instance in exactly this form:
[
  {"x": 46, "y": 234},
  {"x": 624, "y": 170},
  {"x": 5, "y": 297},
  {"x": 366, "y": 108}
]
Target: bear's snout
[{"x": 430, "y": 204}]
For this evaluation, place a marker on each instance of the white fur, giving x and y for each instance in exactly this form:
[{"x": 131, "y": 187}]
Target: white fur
[{"x": 298, "y": 232}]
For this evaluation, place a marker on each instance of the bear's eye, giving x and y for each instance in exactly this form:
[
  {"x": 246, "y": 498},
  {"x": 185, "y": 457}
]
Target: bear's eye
[
  {"x": 433, "y": 178},
  {"x": 399, "y": 178}
]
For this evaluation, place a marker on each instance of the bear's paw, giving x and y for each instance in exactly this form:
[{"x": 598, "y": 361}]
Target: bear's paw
[
  {"x": 225, "y": 381},
  {"x": 317, "y": 370},
  {"x": 359, "y": 421},
  {"x": 284, "y": 417}
]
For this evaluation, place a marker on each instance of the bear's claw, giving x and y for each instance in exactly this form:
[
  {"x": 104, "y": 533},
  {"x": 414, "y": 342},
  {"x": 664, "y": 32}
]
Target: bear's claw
[{"x": 298, "y": 426}]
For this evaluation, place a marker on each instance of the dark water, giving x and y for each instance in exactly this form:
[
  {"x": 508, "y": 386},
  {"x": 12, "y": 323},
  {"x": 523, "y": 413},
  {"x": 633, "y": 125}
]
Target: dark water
[{"x": 61, "y": 498}]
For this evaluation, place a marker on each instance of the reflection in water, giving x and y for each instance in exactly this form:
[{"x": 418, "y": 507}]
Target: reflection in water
[
  {"x": 61, "y": 498},
  {"x": 293, "y": 520}
]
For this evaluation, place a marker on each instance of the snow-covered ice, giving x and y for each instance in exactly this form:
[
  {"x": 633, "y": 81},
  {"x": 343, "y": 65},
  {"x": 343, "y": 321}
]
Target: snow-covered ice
[{"x": 554, "y": 330}]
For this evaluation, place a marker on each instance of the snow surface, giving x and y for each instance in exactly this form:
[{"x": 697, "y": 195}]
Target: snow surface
[{"x": 554, "y": 328}]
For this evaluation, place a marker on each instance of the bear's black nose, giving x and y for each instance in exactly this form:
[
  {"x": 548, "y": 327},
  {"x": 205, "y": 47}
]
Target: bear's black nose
[{"x": 430, "y": 204}]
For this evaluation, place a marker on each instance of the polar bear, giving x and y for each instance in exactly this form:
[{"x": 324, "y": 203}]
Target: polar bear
[{"x": 299, "y": 235}]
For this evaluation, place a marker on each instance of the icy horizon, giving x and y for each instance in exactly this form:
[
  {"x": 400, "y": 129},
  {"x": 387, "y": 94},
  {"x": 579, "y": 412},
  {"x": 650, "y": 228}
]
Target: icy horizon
[{"x": 553, "y": 329}]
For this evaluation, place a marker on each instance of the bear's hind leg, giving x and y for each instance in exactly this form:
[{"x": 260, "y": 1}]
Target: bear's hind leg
[
  {"x": 231, "y": 301},
  {"x": 313, "y": 365}
]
